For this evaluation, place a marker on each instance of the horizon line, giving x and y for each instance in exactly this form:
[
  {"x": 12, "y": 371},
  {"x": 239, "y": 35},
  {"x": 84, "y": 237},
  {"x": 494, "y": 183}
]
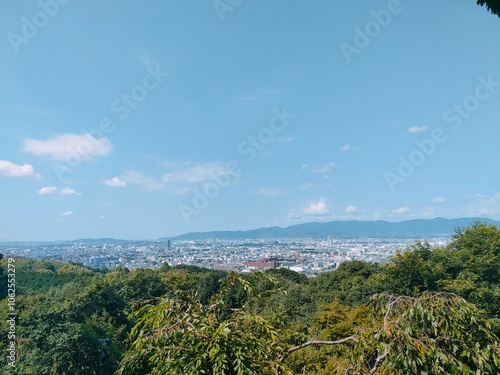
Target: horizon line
[{"x": 3, "y": 241}]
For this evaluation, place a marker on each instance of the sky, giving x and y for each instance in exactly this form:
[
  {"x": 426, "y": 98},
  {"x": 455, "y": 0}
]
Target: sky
[{"x": 139, "y": 120}]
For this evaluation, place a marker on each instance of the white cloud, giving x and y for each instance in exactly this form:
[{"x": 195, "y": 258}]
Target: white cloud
[
  {"x": 10, "y": 169},
  {"x": 147, "y": 182},
  {"x": 115, "y": 182},
  {"x": 319, "y": 168},
  {"x": 69, "y": 191},
  {"x": 270, "y": 192},
  {"x": 53, "y": 189},
  {"x": 439, "y": 199},
  {"x": 310, "y": 185},
  {"x": 317, "y": 208},
  {"x": 69, "y": 145},
  {"x": 484, "y": 206},
  {"x": 401, "y": 210},
  {"x": 311, "y": 211},
  {"x": 351, "y": 210},
  {"x": 66, "y": 213},
  {"x": 347, "y": 148},
  {"x": 323, "y": 168},
  {"x": 47, "y": 190},
  {"x": 197, "y": 173},
  {"x": 307, "y": 185},
  {"x": 417, "y": 129},
  {"x": 58, "y": 220},
  {"x": 475, "y": 196}
]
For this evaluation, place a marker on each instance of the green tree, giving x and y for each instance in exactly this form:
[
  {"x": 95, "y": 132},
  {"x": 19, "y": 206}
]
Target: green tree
[
  {"x": 412, "y": 271},
  {"x": 181, "y": 335},
  {"x": 492, "y": 5},
  {"x": 432, "y": 334},
  {"x": 352, "y": 284},
  {"x": 472, "y": 265}
]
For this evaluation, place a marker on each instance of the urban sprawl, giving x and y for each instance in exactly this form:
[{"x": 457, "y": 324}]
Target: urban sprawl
[{"x": 308, "y": 256}]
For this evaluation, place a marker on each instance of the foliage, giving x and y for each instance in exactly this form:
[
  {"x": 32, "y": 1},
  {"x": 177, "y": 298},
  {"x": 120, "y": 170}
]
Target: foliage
[
  {"x": 352, "y": 283},
  {"x": 433, "y": 334},
  {"x": 42, "y": 276},
  {"x": 492, "y": 5},
  {"x": 181, "y": 335},
  {"x": 435, "y": 311}
]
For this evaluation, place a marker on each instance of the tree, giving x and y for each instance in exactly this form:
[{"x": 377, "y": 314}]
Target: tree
[
  {"x": 474, "y": 255},
  {"x": 433, "y": 334},
  {"x": 492, "y": 5},
  {"x": 181, "y": 335},
  {"x": 412, "y": 272}
]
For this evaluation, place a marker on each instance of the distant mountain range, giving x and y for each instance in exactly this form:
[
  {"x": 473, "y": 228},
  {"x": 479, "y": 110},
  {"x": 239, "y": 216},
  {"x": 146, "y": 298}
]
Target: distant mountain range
[{"x": 346, "y": 229}]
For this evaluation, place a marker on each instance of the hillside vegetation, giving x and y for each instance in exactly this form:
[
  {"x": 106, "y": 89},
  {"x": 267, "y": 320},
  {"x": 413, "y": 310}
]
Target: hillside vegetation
[{"x": 426, "y": 311}]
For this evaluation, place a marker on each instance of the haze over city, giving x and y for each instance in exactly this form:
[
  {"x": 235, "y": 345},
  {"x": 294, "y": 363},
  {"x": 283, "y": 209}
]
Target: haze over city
[{"x": 140, "y": 121}]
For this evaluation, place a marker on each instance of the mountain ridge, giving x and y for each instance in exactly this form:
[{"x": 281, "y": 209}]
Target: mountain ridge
[{"x": 346, "y": 229}]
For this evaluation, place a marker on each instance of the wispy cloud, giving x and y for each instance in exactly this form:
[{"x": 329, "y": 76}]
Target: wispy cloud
[
  {"x": 270, "y": 192},
  {"x": 10, "y": 169},
  {"x": 351, "y": 210},
  {"x": 65, "y": 213},
  {"x": 197, "y": 173},
  {"x": 475, "y": 196},
  {"x": 115, "y": 182},
  {"x": 484, "y": 206},
  {"x": 310, "y": 185},
  {"x": 63, "y": 146},
  {"x": 417, "y": 129},
  {"x": 319, "y": 168},
  {"x": 47, "y": 190},
  {"x": 69, "y": 191},
  {"x": 401, "y": 210},
  {"x": 147, "y": 182},
  {"x": 347, "y": 148},
  {"x": 316, "y": 209},
  {"x": 439, "y": 199},
  {"x": 53, "y": 189}
]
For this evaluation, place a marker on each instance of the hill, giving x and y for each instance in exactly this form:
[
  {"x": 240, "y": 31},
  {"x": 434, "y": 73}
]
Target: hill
[{"x": 346, "y": 229}]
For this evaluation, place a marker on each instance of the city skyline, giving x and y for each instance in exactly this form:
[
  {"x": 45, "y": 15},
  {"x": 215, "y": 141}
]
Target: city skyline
[{"x": 161, "y": 119}]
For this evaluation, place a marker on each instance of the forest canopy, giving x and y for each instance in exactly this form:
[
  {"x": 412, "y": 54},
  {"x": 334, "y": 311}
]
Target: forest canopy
[{"x": 426, "y": 310}]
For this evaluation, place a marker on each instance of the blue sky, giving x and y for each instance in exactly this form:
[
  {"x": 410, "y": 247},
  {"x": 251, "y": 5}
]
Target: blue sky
[{"x": 146, "y": 119}]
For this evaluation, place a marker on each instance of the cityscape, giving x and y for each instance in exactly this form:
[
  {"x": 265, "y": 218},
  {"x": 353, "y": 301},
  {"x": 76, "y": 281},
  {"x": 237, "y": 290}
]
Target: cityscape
[{"x": 303, "y": 255}]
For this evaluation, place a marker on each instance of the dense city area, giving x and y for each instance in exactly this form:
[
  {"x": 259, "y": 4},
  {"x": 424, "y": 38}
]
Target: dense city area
[{"x": 308, "y": 256}]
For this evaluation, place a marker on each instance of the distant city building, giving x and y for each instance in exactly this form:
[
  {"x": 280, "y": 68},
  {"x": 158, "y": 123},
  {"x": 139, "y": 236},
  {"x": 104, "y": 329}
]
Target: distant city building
[
  {"x": 98, "y": 261},
  {"x": 265, "y": 263}
]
